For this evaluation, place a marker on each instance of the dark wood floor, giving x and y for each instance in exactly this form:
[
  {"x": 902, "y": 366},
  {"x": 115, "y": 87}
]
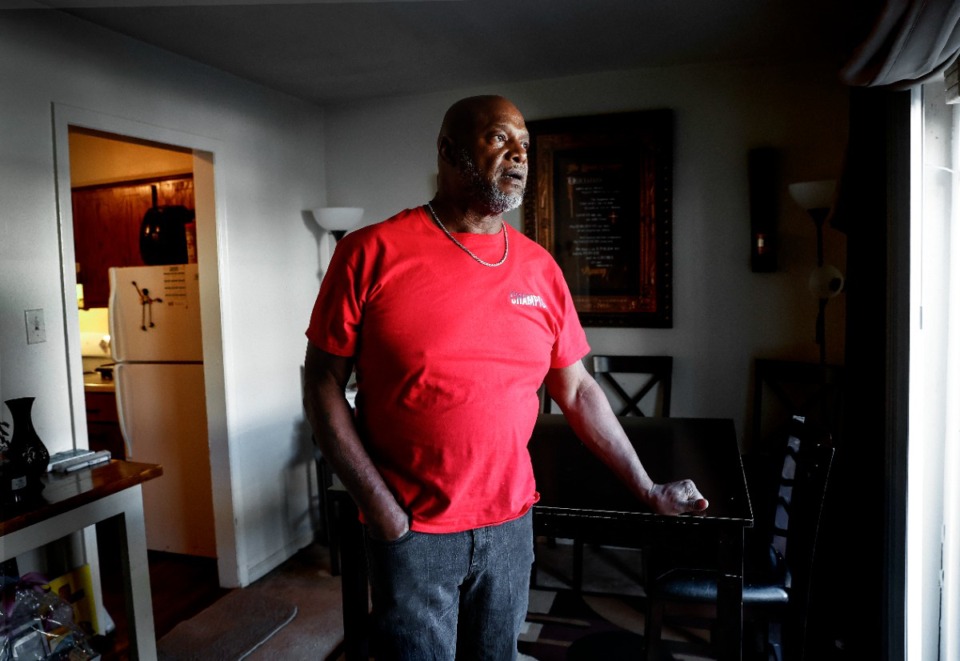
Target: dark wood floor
[{"x": 181, "y": 586}]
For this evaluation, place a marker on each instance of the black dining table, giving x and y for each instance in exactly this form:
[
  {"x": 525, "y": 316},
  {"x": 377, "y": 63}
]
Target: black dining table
[{"x": 581, "y": 499}]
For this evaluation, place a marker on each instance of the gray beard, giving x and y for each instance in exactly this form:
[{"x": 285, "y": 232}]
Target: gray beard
[{"x": 482, "y": 190}]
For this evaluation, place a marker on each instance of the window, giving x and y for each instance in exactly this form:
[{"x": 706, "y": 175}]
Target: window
[{"x": 933, "y": 494}]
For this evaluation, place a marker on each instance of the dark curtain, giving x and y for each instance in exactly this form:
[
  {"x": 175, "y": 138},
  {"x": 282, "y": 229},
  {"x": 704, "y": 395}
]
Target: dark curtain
[
  {"x": 857, "y": 613},
  {"x": 904, "y": 43},
  {"x": 861, "y": 562},
  {"x": 910, "y": 42}
]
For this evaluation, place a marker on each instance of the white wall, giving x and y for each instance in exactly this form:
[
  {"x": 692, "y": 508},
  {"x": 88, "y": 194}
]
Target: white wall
[
  {"x": 268, "y": 168},
  {"x": 381, "y": 156}
]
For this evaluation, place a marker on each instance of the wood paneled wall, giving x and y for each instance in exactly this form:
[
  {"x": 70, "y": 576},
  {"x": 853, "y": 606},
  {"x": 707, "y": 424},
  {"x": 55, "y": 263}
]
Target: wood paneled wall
[{"x": 106, "y": 226}]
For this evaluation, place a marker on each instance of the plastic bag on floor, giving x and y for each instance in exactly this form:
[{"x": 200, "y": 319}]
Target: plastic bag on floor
[{"x": 37, "y": 625}]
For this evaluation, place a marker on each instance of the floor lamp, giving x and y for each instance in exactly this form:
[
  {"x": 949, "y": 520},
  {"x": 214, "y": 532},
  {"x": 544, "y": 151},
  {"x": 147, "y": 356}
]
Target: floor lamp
[
  {"x": 826, "y": 281},
  {"x": 335, "y": 221}
]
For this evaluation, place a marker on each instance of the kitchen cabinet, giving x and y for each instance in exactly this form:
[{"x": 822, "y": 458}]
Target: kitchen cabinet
[
  {"x": 106, "y": 227},
  {"x": 103, "y": 425}
]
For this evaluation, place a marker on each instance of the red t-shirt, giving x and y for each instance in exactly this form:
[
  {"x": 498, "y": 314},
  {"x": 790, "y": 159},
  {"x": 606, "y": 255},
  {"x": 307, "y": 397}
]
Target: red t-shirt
[{"x": 449, "y": 357}]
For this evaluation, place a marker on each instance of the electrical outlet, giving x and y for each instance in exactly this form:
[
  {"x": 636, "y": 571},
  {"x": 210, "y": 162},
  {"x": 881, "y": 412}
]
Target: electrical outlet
[{"x": 36, "y": 328}]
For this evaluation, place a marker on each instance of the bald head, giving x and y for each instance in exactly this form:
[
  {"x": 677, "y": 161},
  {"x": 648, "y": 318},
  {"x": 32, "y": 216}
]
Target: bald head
[{"x": 465, "y": 117}]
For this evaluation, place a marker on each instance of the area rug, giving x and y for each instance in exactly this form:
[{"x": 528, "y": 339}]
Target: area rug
[
  {"x": 230, "y": 629},
  {"x": 567, "y": 626},
  {"x": 561, "y": 623}
]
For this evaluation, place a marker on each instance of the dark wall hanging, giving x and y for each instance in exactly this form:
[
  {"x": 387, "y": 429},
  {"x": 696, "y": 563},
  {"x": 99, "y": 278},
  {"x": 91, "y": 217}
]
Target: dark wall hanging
[{"x": 599, "y": 199}]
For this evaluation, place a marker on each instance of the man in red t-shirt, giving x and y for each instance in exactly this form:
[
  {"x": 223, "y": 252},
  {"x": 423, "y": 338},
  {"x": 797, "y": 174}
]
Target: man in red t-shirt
[{"x": 452, "y": 320}]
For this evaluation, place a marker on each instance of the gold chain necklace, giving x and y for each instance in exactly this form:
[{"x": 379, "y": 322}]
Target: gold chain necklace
[{"x": 503, "y": 227}]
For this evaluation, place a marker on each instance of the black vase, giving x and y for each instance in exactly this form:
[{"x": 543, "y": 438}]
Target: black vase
[{"x": 26, "y": 457}]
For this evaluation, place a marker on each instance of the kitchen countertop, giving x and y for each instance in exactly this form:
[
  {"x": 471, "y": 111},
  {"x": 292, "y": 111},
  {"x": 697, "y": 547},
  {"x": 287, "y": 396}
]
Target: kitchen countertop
[{"x": 93, "y": 382}]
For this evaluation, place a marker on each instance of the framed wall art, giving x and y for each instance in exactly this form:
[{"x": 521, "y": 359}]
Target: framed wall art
[{"x": 599, "y": 199}]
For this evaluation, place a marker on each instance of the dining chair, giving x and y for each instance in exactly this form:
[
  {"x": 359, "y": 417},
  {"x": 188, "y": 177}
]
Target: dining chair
[
  {"x": 635, "y": 385},
  {"x": 632, "y": 384},
  {"x": 779, "y": 557},
  {"x": 784, "y": 388},
  {"x": 648, "y": 378},
  {"x": 327, "y": 533},
  {"x": 632, "y": 381},
  {"x": 546, "y": 404}
]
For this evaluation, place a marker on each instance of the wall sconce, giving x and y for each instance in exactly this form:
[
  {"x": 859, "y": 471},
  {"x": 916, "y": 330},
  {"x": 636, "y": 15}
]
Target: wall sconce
[
  {"x": 337, "y": 221},
  {"x": 763, "y": 171},
  {"x": 826, "y": 281}
]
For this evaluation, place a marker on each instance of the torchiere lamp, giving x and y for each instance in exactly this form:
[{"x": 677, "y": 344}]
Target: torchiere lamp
[
  {"x": 826, "y": 281},
  {"x": 337, "y": 221}
]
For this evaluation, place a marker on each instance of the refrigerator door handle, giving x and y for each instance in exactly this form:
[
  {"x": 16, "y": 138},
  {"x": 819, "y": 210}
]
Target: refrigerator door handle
[
  {"x": 116, "y": 342},
  {"x": 119, "y": 391}
]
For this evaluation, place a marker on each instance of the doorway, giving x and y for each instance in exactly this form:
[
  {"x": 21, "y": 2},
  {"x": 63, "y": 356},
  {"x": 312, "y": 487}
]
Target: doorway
[
  {"x": 141, "y": 156},
  {"x": 134, "y": 214}
]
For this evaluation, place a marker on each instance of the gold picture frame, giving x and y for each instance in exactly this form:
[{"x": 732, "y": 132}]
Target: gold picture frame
[{"x": 599, "y": 199}]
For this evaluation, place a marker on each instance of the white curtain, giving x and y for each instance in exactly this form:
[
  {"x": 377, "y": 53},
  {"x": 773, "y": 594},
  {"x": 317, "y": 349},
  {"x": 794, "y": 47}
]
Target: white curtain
[
  {"x": 933, "y": 512},
  {"x": 950, "y": 614}
]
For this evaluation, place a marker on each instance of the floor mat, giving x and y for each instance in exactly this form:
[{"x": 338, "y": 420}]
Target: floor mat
[{"x": 230, "y": 629}]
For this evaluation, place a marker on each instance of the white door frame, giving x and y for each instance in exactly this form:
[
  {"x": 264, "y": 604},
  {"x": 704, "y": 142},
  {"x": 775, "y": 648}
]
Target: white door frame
[{"x": 210, "y": 242}]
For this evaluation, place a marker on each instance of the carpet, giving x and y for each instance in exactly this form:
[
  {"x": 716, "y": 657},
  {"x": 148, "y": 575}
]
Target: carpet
[
  {"x": 317, "y": 631},
  {"x": 232, "y": 628}
]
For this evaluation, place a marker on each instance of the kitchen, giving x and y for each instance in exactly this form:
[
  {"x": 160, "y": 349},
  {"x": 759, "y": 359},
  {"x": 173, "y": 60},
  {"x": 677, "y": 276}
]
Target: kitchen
[{"x": 132, "y": 207}]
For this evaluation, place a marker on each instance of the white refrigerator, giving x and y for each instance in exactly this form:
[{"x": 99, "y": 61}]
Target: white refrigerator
[{"x": 154, "y": 316}]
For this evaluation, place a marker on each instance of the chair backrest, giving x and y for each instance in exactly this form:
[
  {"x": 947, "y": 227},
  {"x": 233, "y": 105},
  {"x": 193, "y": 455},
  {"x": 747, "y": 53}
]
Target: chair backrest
[
  {"x": 784, "y": 388},
  {"x": 546, "y": 404},
  {"x": 634, "y": 380},
  {"x": 801, "y": 492},
  {"x": 801, "y": 485}
]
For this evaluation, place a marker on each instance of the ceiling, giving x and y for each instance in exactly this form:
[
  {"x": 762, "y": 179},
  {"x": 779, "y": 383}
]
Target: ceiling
[{"x": 328, "y": 51}]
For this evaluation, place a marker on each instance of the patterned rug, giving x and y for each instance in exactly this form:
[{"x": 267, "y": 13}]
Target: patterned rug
[
  {"x": 603, "y": 623},
  {"x": 565, "y": 626}
]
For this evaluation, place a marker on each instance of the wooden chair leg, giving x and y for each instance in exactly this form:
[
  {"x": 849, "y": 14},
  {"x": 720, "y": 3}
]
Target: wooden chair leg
[
  {"x": 577, "y": 565},
  {"x": 774, "y": 642},
  {"x": 533, "y": 567},
  {"x": 652, "y": 630}
]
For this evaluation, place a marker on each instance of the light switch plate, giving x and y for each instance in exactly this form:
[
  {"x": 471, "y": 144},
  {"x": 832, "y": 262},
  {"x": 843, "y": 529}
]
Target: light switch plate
[{"x": 36, "y": 328}]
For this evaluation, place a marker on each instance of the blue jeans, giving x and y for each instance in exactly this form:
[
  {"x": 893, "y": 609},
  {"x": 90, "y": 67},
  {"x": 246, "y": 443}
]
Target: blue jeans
[{"x": 451, "y": 596}]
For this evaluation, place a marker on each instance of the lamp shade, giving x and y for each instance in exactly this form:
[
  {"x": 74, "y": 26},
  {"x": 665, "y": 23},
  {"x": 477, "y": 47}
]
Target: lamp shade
[
  {"x": 813, "y": 194},
  {"x": 338, "y": 219},
  {"x": 825, "y": 281}
]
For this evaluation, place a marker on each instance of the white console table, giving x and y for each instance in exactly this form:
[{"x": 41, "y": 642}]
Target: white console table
[{"x": 72, "y": 502}]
